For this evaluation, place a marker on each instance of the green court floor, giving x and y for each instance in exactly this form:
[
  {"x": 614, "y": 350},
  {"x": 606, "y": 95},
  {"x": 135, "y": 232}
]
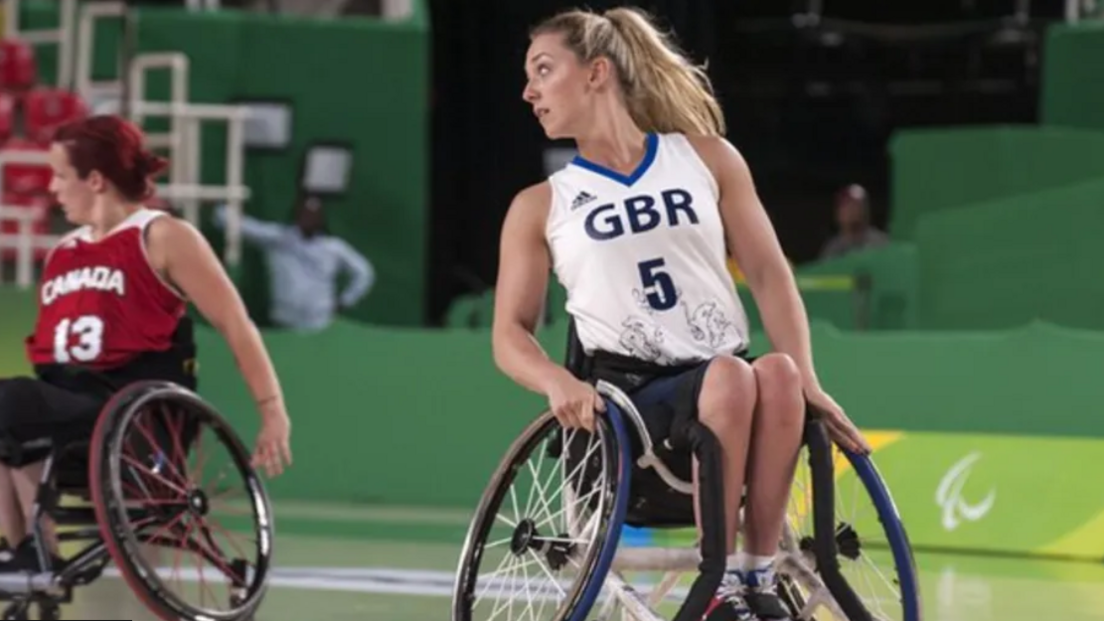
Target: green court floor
[{"x": 338, "y": 564}]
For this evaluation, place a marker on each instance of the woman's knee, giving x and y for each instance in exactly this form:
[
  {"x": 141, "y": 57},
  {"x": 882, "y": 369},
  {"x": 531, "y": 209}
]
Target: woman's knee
[
  {"x": 777, "y": 372},
  {"x": 779, "y": 385},
  {"x": 728, "y": 392}
]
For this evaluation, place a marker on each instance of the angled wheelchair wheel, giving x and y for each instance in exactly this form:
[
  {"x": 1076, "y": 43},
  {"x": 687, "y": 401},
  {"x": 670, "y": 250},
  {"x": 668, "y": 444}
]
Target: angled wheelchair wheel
[
  {"x": 182, "y": 513},
  {"x": 544, "y": 535},
  {"x": 846, "y": 554}
]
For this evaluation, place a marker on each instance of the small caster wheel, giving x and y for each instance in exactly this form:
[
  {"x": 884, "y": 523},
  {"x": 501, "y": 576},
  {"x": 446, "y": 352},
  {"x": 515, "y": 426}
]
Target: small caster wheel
[
  {"x": 237, "y": 598},
  {"x": 48, "y": 611}
]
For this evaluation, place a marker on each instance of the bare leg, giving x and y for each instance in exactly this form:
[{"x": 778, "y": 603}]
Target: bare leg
[
  {"x": 776, "y": 438},
  {"x": 27, "y": 481},
  {"x": 725, "y": 406},
  {"x": 11, "y": 512}
]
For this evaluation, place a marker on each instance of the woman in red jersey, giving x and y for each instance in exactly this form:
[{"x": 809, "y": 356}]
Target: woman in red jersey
[{"x": 112, "y": 310}]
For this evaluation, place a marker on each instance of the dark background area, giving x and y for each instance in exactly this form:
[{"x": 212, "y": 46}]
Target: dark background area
[{"x": 811, "y": 100}]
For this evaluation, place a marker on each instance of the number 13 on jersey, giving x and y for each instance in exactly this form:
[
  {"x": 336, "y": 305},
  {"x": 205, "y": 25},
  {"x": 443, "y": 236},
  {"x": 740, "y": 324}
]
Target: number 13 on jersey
[{"x": 80, "y": 340}]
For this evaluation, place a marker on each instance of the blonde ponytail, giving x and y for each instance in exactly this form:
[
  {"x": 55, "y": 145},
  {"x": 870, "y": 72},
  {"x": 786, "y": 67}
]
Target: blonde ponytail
[{"x": 665, "y": 92}]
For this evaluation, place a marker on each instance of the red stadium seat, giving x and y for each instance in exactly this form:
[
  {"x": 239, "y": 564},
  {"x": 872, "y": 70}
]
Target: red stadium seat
[
  {"x": 7, "y": 116},
  {"x": 18, "y": 69},
  {"x": 26, "y": 179},
  {"x": 46, "y": 109}
]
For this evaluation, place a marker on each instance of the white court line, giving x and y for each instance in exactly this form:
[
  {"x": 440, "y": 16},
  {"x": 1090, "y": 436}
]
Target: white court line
[{"x": 363, "y": 580}]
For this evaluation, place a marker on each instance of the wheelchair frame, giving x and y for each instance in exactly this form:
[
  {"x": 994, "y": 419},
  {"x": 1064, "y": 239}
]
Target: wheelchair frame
[
  {"x": 809, "y": 568},
  {"x": 830, "y": 588},
  {"x": 111, "y": 539}
]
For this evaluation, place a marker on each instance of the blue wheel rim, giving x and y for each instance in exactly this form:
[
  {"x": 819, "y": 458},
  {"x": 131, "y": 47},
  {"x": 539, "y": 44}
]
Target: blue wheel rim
[
  {"x": 894, "y": 530},
  {"x": 604, "y": 561}
]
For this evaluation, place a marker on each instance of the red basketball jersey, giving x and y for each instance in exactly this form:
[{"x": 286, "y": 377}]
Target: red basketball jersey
[{"x": 100, "y": 303}]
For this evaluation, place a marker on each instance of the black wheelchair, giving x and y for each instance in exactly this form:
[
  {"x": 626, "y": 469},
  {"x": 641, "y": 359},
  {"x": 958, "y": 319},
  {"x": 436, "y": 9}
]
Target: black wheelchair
[
  {"x": 146, "y": 492},
  {"x": 548, "y": 539}
]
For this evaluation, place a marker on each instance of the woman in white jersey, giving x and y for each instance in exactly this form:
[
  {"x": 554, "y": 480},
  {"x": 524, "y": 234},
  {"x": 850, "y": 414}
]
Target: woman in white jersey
[{"x": 637, "y": 228}]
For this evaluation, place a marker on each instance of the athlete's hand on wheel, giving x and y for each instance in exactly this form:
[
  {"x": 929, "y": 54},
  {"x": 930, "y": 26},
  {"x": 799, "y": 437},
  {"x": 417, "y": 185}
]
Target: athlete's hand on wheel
[
  {"x": 273, "y": 451},
  {"x": 574, "y": 402},
  {"x": 842, "y": 430}
]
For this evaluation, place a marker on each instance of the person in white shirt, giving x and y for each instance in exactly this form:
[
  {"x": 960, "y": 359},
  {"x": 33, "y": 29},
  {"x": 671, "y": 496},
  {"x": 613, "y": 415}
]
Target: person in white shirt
[{"x": 304, "y": 262}]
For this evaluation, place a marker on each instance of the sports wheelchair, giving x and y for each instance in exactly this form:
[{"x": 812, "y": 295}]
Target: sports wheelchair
[
  {"x": 547, "y": 541},
  {"x": 143, "y": 492}
]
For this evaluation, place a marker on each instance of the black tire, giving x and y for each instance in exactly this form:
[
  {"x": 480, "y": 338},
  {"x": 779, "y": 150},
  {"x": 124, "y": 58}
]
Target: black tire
[
  {"x": 109, "y": 477},
  {"x": 545, "y": 432}
]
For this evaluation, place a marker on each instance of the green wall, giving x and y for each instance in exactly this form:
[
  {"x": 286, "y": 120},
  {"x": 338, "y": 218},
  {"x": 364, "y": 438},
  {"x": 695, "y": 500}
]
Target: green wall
[
  {"x": 938, "y": 169},
  {"x": 1072, "y": 92},
  {"x": 1007, "y": 262},
  {"x": 374, "y": 408}
]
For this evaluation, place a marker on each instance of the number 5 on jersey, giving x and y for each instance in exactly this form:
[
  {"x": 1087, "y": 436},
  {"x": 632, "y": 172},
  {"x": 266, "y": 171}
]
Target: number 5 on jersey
[
  {"x": 87, "y": 330},
  {"x": 658, "y": 286}
]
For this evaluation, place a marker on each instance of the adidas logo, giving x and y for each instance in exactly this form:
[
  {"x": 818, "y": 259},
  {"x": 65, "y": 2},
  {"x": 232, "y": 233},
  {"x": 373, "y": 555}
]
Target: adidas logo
[{"x": 582, "y": 199}]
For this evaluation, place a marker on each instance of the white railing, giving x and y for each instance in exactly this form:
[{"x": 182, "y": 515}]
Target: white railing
[
  {"x": 25, "y": 242},
  {"x": 181, "y": 143},
  {"x": 89, "y": 90},
  {"x": 62, "y": 36}
]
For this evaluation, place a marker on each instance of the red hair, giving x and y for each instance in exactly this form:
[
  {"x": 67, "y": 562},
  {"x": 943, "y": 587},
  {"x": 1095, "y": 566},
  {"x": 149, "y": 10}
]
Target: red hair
[{"x": 114, "y": 147}]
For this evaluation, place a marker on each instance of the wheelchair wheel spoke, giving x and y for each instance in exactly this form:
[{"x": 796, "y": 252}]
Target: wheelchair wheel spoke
[
  {"x": 506, "y": 565},
  {"x": 176, "y": 433},
  {"x": 168, "y": 527},
  {"x": 228, "y": 535},
  {"x": 143, "y": 469},
  {"x": 529, "y": 500},
  {"x": 583, "y": 501},
  {"x": 542, "y": 522},
  {"x": 214, "y": 553},
  {"x": 545, "y": 507},
  {"x": 514, "y": 503},
  {"x": 548, "y": 572},
  {"x": 155, "y": 447},
  {"x": 881, "y": 576}
]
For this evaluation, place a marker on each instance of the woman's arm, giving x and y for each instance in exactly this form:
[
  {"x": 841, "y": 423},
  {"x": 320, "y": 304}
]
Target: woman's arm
[
  {"x": 179, "y": 252},
  {"x": 754, "y": 246},
  {"x": 184, "y": 256},
  {"x": 523, "y": 268},
  {"x": 520, "y": 290}
]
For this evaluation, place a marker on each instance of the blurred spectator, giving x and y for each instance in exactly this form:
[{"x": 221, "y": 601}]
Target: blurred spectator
[
  {"x": 853, "y": 221},
  {"x": 304, "y": 262}
]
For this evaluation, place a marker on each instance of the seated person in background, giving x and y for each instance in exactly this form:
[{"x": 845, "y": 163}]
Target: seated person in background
[
  {"x": 853, "y": 220},
  {"x": 304, "y": 261}
]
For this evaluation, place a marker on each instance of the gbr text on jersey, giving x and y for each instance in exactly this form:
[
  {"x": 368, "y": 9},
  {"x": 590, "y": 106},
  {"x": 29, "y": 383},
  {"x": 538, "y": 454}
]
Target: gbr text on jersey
[{"x": 643, "y": 256}]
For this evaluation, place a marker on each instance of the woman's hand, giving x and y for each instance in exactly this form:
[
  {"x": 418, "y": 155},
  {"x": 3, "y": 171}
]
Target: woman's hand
[
  {"x": 273, "y": 450},
  {"x": 573, "y": 403},
  {"x": 842, "y": 430}
]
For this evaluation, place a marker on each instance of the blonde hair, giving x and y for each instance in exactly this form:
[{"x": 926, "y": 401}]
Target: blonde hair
[{"x": 663, "y": 90}]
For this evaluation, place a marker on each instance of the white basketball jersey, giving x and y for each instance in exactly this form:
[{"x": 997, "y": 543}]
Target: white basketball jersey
[{"x": 643, "y": 258}]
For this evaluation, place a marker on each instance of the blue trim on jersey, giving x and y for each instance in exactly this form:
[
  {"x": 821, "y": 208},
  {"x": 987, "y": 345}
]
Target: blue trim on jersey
[{"x": 650, "y": 146}]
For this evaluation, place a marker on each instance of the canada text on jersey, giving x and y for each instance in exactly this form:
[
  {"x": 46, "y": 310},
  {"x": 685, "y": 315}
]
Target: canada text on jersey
[{"x": 96, "y": 278}]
